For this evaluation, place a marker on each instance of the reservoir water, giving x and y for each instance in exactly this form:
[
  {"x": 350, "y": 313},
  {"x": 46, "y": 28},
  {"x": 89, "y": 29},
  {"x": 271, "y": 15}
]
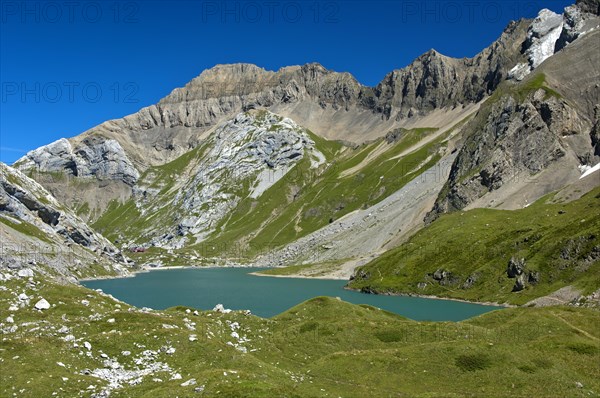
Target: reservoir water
[{"x": 235, "y": 288}]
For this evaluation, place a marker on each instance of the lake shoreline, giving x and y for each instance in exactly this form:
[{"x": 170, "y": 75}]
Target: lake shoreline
[
  {"x": 429, "y": 296},
  {"x": 257, "y": 273},
  {"x": 133, "y": 273},
  {"x": 426, "y": 296}
]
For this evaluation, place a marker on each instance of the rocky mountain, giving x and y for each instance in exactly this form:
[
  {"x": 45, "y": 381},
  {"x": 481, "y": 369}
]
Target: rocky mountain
[
  {"x": 430, "y": 92},
  {"x": 530, "y": 138},
  {"x": 241, "y": 158},
  {"x": 299, "y": 160},
  {"x": 39, "y": 233}
]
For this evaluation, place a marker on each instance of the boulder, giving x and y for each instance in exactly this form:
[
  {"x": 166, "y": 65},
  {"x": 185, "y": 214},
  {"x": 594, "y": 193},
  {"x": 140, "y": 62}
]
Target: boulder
[
  {"x": 219, "y": 308},
  {"x": 520, "y": 283},
  {"x": 42, "y": 305},
  {"x": 515, "y": 267},
  {"x": 25, "y": 273}
]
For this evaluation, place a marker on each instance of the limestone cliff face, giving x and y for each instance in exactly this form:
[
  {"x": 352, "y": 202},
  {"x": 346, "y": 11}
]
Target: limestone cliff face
[
  {"x": 94, "y": 156},
  {"x": 530, "y": 128},
  {"x": 435, "y": 81}
]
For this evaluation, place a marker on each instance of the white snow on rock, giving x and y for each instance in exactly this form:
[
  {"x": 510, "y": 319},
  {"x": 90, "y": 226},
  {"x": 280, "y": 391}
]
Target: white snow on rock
[
  {"x": 587, "y": 170},
  {"x": 543, "y": 34}
]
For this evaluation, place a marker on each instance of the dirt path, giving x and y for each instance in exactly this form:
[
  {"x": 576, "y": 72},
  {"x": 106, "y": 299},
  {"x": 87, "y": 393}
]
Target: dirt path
[{"x": 576, "y": 328}]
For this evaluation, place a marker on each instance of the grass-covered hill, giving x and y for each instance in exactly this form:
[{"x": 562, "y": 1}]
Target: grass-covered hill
[
  {"x": 87, "y": 344},
  {"x": 496, "y": 255}
]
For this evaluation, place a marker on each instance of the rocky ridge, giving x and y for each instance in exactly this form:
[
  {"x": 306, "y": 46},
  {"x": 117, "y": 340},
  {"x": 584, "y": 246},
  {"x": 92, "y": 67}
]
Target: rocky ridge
[
  {"x": 531, "y": 137},
  {"x": 40, "y": 233},
  {"x": 551, "y": 32}
]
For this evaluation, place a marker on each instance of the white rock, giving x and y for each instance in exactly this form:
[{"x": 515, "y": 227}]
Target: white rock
[
  {"x": 63, "y": 330},
  {"x": 13, "y": 308},
  {"x": 193, "y": 337},
  {"x": 126, "y": 353},
  {"x": 42, "y": 305},
  {"x": 23, "y": 297},
  {"x": 190, "y": 382},
  {"x": 87, "y": 345},
  {"x": 10, "y": 320},
  {"x": 85, "y": 302},
  {"x": 111, "y": 320},
  {"x": 221, "y": 309},
  {"x": 176, "y": 376},
  {"x": 25, "y": 273}
]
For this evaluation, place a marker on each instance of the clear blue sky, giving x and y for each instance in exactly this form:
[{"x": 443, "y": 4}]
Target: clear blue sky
[{"x": 68, "y": 66}]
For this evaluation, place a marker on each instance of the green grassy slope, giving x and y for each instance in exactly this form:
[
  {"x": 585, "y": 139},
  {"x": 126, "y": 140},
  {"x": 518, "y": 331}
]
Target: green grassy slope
[
  {"x": 275, "y": 219},
  {"x": 323, "y": 347},
  {"x": 305, "y": 200},
  {"x": 559, "y": 242}
]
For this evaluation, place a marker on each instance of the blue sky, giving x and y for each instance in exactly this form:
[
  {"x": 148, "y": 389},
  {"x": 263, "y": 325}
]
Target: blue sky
[{"x": 66, "y": 66}]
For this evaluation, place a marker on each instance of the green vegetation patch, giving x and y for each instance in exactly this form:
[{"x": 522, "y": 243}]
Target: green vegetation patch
[{"x": 466, "y": 254}]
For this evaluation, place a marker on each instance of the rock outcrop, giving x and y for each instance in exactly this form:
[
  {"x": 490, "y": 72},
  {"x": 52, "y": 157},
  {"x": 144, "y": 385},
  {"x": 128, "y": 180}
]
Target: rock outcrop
[
  {"x": 243, "y": 157},
  {"x": 527, "y": 129},
  {"x": 551, "y": 32},
  {"x": 32, "y": 219},
  {"x": 94, "y": 157}
]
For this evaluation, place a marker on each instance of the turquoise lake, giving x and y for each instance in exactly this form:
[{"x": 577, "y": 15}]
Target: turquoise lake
[{"x": 235, "y": 288}]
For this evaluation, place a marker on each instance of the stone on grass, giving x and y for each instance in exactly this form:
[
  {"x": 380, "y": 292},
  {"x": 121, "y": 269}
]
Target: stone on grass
[
  {"x": 42, "y": 305},
  {"x": 25, "y": 273},
  {"x": 190, "y": 382}
]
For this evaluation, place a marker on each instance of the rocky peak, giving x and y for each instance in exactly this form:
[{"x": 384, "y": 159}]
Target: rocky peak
[{"x": 550, "y": 32}]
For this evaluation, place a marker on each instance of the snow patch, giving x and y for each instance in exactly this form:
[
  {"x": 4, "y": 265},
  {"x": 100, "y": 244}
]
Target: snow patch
[{"x": 587, "y": 170}]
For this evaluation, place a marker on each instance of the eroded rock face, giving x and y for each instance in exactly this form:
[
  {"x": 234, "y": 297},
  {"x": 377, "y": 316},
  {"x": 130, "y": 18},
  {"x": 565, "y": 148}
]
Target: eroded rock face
[
  {"x": 589, "y": 6},
  {"x": 94, "y": 157},
  {"x": 514, "y": 140},
  {"x": 551, "y": 32},
  {"x": 24, "y": 200},
  {"x": 242, "y": 158}
]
